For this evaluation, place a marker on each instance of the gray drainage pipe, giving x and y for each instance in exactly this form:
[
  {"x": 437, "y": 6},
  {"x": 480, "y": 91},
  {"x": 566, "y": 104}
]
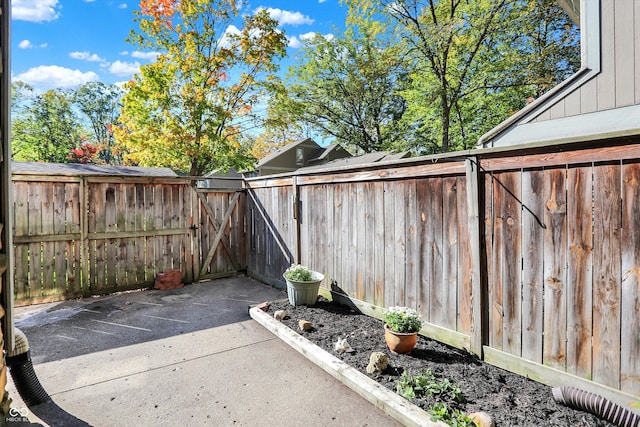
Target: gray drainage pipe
[
  {"x": 597, "y": 405},
  {"x": 21, "y": 369}
]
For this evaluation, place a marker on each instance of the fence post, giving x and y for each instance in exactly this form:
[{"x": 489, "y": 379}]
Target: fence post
[
  {"x": 473, "y": 218},
  {"x": 296, "y": 216},
  {"x": 85, "y": 283}
]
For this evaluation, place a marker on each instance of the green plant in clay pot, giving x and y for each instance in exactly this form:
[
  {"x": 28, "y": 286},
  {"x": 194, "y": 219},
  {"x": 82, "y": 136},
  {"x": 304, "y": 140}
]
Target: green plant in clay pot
[{"x": 401, "y": 326}]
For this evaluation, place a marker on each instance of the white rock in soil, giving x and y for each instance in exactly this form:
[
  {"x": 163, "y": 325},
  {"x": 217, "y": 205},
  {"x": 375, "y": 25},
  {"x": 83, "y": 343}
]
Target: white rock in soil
[
  {"x": 280, "y": 315},
  {"x": 482, "y": 419},
  {"x": 342, "y": 346},
  {"x": 305, "y": 325},
  {"x": 378, "y": 362}
]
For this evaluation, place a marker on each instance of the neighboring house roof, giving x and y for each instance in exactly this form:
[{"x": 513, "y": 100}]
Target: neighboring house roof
[
  {"x": 86, "y": 169},
  {"x": 231, "y": 179},
  {"x": 378, "y": 156},
  {"x": 326, "y": 154},
  {"x": 287, "y": 148},
  {"x": 231, "y": 173},
  {"x": 298, "y": 154}
]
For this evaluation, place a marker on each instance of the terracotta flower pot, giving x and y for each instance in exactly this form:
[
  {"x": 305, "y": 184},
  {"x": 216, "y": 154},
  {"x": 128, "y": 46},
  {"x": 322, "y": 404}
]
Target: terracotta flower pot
[{"x": 400, "y": 343}]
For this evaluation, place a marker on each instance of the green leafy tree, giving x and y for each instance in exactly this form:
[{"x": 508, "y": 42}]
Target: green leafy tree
[
  {"x": 475, "y": 63},
  {"x": 345, "y": 88},
  {"x": 188, "y": 109},
  {"x": 100, "y": 103},
  {"x": 44, "y": 127}
]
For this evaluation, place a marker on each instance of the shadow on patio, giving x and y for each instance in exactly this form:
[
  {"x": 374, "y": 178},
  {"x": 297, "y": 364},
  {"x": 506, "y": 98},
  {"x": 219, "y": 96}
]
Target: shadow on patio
[{"x": 190, "y": 356}]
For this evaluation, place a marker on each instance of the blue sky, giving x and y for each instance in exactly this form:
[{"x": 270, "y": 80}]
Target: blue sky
[{"x": 65, "y": 43}]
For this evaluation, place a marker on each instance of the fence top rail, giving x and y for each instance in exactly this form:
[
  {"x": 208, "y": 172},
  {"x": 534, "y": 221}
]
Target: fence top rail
[
  {"x": 30, "y": 176},
  {"x": 496, "y": 158}
]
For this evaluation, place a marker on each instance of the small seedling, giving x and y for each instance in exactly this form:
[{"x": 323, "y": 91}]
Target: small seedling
[
  {"x": 453, "y": 417},
  {"x": 426, "y": 384}
]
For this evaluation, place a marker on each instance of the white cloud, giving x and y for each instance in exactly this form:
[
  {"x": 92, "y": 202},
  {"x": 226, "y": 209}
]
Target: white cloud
[
  {"x": 308, "y": 36},
  {"x": 121, "y": 68},
  {"x": 285, "y": 17},
  {"x": 122, "y": 6},
  {"x": 144, "y": 55},
  {"x": 294, "y": 42},
  {"x": 297, "y": 41},
  {"x": 35, "y": 10},
  {"x": 25, "y": 44},
  {"x": 231, "y": 30},
  {"x": 86, "y": 56},
  {"x": 321, "y": 1},
  {"x": 54, "y": 76}
]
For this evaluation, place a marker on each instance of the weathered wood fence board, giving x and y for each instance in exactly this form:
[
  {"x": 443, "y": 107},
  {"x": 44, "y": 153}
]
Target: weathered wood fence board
[
  {"x": 559, "y": 260},
  {"x": 91, "y": 235},
  {"x": 630, "y": 297},
  {"x": 580, "y": 264}
]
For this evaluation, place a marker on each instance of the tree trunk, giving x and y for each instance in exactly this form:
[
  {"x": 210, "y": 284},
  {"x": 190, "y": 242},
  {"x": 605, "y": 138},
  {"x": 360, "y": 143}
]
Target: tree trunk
[{"x": 446, "y": 123}]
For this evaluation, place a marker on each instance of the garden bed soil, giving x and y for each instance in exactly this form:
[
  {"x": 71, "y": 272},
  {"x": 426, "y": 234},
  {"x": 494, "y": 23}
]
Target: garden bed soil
[{"x": 512, "y": 400}]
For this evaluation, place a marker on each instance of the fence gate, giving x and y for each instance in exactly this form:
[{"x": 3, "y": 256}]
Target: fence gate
[{"x": 218, "y": 222}]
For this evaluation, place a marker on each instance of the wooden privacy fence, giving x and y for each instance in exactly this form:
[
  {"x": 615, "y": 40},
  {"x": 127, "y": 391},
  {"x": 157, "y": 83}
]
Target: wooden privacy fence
[
  {"x": 530, "y": 259},
  {"x": 90, "y": 235}
]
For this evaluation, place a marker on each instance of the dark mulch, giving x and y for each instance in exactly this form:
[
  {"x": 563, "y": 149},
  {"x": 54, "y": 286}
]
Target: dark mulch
[{"x": 512, "y": 400}]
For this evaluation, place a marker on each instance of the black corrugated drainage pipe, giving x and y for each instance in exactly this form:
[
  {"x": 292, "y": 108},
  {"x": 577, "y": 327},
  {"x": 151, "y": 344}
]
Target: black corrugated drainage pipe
[
  {"x": 24, "y": 377},
  {"x": 597, "y": 405}
]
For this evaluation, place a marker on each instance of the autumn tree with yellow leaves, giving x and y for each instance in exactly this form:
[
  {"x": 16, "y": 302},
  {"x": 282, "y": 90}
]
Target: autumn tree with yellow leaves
[{"x": 188, "y": 109}]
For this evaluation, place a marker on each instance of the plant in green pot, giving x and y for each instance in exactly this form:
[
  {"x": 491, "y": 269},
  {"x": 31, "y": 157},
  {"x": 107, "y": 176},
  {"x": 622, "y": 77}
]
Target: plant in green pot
[
  {"x": 401, "y": 326},
  {"x": 303, "y": 284}
]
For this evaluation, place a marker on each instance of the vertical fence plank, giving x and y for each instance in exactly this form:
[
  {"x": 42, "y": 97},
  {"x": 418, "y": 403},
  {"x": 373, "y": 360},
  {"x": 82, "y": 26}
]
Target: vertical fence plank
[
  {"x": 434, "y": 224},
  {"x": 471, "y": 296},
  {"x": 399, "y": 248},
  {"x": 510, "y": 223},
  {"x": 329, "y": 233},
  {"x": 120, "y": 245},
  {"x": 59, "y": 248},
  {"x": 630, "y": 302},
  {"x": 389, "y": 243},
  {"x": 496, "y": 285},
  {"x": 320, "y": 226},
  {"x": 533, "y": 264},
  {"x": 76, "y": 282},
  {"x": 149, "y": 207},
  {"x": 378, "y": 243},
  {"x": 347, "y": 207},
  {"x": 450, "y": 260},
  {"x": 359, "y": 241},
  {"x": 128, "y": 253},
  {"x": 579, "y": 278},
  {"x": 423, "y": 203},
  {"x": 35, "y": 249},
  {"x": 412, "y": 255},
  {"x": 365, "y": 241},
  {"x": 141, "y": 242},
  {"x": 21, "y": 228},
  {"x": 353, "y": 254},
  {"x": 466, "y": 265},
  {"x": 606, "y": 275},
  {"x": 110, "y": 207},
  {"x": 555, "y": 270},
  {"x": 48, "y": 248},
  {"x": 338, "y": 242},
  {"x": 97, "y": 224}
]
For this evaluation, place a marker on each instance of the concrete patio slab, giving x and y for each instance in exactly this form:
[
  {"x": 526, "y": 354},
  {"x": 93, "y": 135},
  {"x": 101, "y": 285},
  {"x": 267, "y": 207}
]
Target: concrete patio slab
[{"x": 219, "y": 369}]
